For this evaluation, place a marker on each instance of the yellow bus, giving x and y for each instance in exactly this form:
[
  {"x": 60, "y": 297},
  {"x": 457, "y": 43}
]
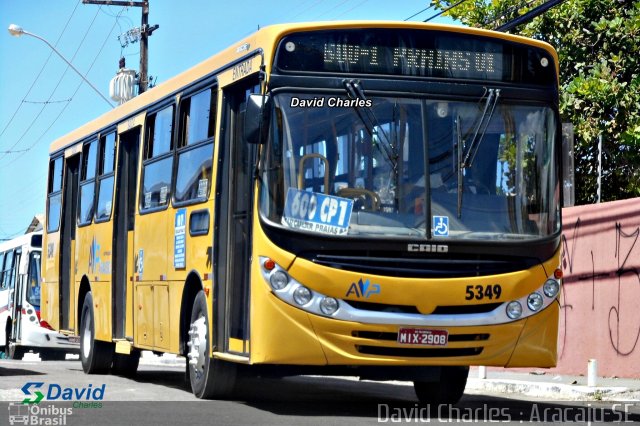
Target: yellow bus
[{"x": 376, "y": 199}]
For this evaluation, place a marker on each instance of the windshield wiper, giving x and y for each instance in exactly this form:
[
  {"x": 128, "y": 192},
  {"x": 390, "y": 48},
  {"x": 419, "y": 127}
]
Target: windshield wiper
[
  {"x": 466, "y": 160},
  {"x": 481, "y": 128},
  {"x": 370, "y": 121}
]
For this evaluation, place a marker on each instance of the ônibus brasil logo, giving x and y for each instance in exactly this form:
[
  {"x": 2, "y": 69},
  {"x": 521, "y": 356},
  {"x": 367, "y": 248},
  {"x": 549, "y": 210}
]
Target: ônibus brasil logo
[{"x": 55, "y": 392}]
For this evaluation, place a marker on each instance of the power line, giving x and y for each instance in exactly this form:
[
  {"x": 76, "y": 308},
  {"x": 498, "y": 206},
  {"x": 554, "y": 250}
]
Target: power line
[
  {"x": 423, "y": 10},
  {"x": 533, "y": 13},
  {"x": 61, "y": 101},
  {"x": 33, "y": 122},
  {"x": 508, "y": 12},
  {"x": 331, "y": 9},
  {"x": 41, "y": 70},
  {"x": 444, "y": 10},
  {"x": 72, "y": 96},
  {"x": 349, "y": 10}
]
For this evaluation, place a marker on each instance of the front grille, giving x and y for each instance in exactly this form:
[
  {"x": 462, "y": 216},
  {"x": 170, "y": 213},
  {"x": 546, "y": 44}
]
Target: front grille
[
  {"x": 393, "y": 337},
  {"x": 419, "y": 352},
  {"x": 382, "y": 307},
  {"x": 465, "y": 309},
  {"x": 409, "y": 309},
  {"x": 409, "y": 266}
]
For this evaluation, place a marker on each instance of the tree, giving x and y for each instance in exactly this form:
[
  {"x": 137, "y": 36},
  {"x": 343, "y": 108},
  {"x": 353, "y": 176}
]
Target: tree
[{"x": 598, "y": 44}]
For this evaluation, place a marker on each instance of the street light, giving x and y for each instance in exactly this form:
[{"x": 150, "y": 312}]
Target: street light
[{"x": 17, "y": 31}]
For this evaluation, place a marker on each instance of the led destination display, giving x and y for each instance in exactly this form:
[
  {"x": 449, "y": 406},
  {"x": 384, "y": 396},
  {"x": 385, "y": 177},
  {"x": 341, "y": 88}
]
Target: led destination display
[{"x": 417, "y": 53}]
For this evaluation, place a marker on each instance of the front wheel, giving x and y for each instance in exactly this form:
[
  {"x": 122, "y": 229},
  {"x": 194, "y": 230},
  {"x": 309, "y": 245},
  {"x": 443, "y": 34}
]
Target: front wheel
[
  {"x": 209, "y": 377},
  {"x": 96, "y": 356},
  {"x": 448, "y": 390}
]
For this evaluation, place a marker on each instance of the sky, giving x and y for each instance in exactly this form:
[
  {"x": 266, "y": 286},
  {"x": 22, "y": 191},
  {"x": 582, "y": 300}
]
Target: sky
[{"x": 41, "y": 99}]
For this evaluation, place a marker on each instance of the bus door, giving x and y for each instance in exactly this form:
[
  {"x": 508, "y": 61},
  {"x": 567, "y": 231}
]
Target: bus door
[
  {"x": 15, "y": 296},
  {"x": 123, "y": 225},
  {"x": 232, "y": 236},
  {"x": 67, "y": 239}
]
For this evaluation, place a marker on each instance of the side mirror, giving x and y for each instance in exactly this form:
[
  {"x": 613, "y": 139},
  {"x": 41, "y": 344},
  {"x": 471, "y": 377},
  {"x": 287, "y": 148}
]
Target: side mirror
[{"x": 256, "y": 118}]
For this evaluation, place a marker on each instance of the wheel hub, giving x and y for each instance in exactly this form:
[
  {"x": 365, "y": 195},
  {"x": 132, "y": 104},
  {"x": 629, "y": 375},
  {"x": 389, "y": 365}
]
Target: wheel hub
[{"x": 198, "y": 345}]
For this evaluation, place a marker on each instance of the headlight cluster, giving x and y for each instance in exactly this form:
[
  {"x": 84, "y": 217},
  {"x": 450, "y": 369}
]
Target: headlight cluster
[
  {"x": 294, "y": 293},
  {"x": 536, "y": 301}
]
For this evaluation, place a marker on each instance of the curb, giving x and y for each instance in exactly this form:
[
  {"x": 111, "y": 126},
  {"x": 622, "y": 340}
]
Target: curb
[{"x": 544, "y": 389}]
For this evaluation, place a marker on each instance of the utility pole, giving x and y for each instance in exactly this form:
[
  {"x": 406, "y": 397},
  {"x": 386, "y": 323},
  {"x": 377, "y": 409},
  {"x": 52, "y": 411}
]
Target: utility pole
[{"x": 145, "y": 32}]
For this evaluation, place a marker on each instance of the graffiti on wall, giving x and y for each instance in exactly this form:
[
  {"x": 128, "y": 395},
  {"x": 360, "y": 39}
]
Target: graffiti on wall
[{"x": 600, "y": 302}]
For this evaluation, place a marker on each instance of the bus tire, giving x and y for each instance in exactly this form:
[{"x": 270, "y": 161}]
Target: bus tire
[
  {"x": 448, "y": 390},
  {"x": 209, "y": 377},
  {"x": 96, "y": 356},
  {"x": 126, "y": 365}
]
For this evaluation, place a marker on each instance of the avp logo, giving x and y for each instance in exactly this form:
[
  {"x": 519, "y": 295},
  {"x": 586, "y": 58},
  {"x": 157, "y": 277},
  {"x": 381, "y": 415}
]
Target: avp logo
[
  {"x": 38, "y": 395},
  {"x": 363, "y": 289}
]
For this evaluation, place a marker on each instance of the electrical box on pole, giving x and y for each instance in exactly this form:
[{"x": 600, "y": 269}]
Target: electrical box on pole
[{"x": 143, "y": 33}]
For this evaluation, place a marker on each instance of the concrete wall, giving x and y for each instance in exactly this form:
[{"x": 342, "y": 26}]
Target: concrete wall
[{"x": 600, "y": 315}]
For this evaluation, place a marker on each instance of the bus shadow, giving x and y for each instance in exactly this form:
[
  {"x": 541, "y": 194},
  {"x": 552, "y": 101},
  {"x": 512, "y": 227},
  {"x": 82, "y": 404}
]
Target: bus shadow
[
  {"x": 7, "y": 372},
  {"x": 337, "y": 397}
]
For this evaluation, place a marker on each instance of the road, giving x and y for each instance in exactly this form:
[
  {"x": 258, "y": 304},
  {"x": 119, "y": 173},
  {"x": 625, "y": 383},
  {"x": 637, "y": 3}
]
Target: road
[{"x": 159, "y": 395}]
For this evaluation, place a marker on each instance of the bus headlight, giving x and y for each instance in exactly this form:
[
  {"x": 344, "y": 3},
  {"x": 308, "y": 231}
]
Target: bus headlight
[
  {"x": 551, "y": 288},
  {"x": 535, "y": 301},
  {"x": 514, "y": 310},
  {"x": 329, "y": 305},
  {"x": 279, "y": 280},
  {"x": 302, "y": 295}
]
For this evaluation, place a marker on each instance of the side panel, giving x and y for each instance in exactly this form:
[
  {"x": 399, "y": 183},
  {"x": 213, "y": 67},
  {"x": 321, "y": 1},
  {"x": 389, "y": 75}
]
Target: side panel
[
  {"x": 143, "y": 336},
  {"x": 160, "y": 318}
]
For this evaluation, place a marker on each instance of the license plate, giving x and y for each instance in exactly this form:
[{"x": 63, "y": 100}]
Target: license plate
[
  {"x": 74, "y": 339},
  {"x": 423, "y": 336}
]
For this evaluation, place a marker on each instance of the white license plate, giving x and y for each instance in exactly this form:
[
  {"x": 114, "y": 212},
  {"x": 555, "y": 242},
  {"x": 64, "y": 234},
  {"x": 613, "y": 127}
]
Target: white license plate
[{"x": 423, "y": 336}]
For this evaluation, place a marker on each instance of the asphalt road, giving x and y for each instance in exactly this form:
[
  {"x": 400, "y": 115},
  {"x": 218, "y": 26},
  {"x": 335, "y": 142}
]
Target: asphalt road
[{"x": 159, "y": 396}]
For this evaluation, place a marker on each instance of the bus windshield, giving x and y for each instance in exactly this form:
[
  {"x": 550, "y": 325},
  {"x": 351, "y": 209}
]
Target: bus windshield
[
  {"x": 406, "y": 167},
  {"x": 33, "y": 283}
]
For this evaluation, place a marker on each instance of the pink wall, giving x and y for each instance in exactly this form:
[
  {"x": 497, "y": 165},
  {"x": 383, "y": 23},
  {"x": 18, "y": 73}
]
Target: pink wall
[{"x": 600, "y": 315}]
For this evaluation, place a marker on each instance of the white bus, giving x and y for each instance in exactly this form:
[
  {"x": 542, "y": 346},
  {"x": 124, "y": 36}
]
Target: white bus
[{"x": 21, "y": 328}]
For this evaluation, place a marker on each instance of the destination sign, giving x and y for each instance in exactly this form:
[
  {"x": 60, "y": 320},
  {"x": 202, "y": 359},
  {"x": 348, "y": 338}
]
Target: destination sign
[{"x": 412, "y": 52}]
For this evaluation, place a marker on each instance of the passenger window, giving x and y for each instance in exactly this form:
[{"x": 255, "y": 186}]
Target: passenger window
[
  {"x": 87, "y": 182},
  {"x": 158, "y": 160},
  {"x": 105, "y": 178},
  {"x": 1, "y": 269},
  {"x": 7, "y": 272},
  {"x": 195, "y": 153},
  {"x": 159, "y": 133},
  {"x": 54, "y": 194}
]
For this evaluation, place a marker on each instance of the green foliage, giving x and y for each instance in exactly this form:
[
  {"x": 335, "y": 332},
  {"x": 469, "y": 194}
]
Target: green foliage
[{"x": 598, "y": 44}]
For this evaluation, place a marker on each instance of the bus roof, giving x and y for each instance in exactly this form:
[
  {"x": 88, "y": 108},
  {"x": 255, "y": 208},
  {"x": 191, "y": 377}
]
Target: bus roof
[
  {"x": 266, "y": 39},
  {"x": 18, "y": 241}
]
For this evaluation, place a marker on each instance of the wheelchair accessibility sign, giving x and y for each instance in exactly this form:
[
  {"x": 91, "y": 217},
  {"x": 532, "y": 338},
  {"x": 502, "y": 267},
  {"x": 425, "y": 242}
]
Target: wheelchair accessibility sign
[{"x": 440, "y": 226}]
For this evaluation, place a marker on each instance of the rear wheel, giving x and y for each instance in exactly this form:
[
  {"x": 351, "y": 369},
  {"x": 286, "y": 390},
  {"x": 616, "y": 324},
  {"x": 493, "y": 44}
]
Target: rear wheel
[
  {"x": 448, "y": 390},
  {"x": 126, "y": 365},
  {"x": 96, "y": 356},
  {"x": 209, "y": 377}
]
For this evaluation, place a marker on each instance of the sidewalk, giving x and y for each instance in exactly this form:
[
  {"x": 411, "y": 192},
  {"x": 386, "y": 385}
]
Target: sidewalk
[{"x": 553, "y": 386}]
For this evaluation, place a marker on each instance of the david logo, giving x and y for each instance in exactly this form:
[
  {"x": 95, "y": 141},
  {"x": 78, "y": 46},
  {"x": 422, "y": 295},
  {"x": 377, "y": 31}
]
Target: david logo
[
  {"x": 363, "y": 289},
  {"x": 38, "y": 396}
]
